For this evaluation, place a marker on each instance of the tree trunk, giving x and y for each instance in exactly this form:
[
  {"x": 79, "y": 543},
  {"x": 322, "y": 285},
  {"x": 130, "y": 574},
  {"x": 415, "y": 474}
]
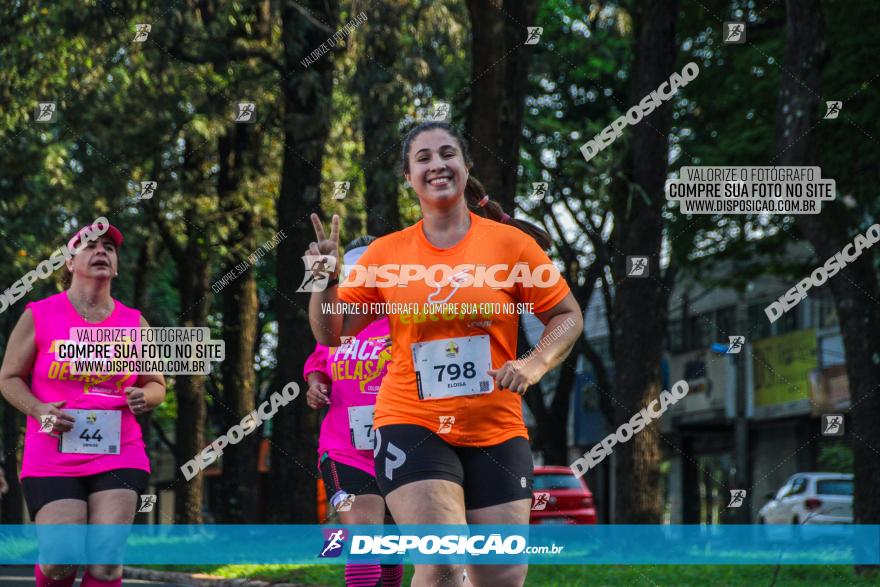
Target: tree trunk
[
  {"x": 194, "y": 278},
  {"x": 855, "y": 289},
  {"x": 141, "y": 297},
  {"x": 381, "y": 94},
  {"x": 500, "y": 62},
  {"x": 240, "y": 476},
  {"x": 238, "y": 155},
  {"x": 640, "y": 303},
  {"x": 306, "y": 93},
  {"x": 11, "y": 511},
  {"x": 552, "y": 422},
  {"x": 191, "y": 256}
]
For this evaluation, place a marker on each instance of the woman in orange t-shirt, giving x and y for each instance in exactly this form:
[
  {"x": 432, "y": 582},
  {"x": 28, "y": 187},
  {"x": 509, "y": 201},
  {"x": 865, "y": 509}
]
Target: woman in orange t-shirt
[{"x": 451, "y": 445}]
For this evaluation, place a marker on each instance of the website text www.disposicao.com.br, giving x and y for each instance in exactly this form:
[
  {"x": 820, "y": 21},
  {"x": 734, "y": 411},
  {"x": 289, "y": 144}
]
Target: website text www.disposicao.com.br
[{"x": 433, "y": 544}]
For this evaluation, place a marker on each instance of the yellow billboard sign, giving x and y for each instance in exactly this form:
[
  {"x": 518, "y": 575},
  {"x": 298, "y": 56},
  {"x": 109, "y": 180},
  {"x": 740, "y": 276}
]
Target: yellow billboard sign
[{"x": 781, "y": 367}]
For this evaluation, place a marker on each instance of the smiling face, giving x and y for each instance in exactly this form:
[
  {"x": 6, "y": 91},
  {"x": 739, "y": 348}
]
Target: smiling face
[
  {"x": 436, "y": 168},
  {"x": 98, "y": 259}
]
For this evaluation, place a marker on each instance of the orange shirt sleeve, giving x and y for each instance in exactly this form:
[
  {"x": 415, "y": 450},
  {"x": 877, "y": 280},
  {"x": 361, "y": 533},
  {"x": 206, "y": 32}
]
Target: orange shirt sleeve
[{"x": 544, "y": 272}]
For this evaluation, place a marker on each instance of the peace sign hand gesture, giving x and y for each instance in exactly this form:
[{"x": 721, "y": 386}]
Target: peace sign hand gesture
[{"x": 328, "y": 247}]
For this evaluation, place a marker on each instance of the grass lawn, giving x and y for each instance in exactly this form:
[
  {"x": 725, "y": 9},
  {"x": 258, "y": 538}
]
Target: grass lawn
[{"x": 578, "y": 576}]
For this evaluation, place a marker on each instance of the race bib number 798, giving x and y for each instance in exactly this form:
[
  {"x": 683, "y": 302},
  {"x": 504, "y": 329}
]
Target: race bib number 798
[{"x": 453, "y": 367}]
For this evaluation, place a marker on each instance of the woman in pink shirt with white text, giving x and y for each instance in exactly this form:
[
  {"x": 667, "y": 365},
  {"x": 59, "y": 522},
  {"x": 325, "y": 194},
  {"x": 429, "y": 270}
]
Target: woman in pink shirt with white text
[
  {"x": 346, "y": 379},
  {"x": 65, "y": 479}
]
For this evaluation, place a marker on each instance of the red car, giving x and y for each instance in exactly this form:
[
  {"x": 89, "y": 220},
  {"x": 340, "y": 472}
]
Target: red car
[{"x": 558, "y": 497}]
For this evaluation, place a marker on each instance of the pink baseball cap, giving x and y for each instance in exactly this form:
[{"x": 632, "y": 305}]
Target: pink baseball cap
[{"x": 100, "y": 227}]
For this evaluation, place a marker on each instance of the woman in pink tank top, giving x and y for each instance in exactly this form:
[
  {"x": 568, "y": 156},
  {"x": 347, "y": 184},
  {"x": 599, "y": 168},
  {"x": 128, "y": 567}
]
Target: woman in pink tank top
[{"x": 84, "y": 456}]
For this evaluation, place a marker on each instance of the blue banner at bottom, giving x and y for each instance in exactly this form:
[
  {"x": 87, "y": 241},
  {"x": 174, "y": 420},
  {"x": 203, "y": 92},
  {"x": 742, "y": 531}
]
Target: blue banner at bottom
[{"x": 475, "y": 544}]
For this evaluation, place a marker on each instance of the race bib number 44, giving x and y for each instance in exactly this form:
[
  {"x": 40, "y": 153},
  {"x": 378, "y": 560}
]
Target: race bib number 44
[
  {"x": 95, "y": 432},
  {"x": 453, "y": 367}
]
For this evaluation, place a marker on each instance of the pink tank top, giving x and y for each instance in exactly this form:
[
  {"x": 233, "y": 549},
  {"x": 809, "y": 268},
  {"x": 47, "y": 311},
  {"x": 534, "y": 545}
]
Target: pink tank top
[
  {"x": 356, "y": 371},
  {"x": 51, "y": 381}
]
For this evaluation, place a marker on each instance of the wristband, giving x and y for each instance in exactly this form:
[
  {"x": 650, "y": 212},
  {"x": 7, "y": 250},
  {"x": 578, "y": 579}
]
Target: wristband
[{"x": 332, "y": 282}]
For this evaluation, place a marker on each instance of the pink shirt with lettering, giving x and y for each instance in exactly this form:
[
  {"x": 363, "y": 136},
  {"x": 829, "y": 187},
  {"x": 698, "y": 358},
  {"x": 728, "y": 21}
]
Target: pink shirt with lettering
[
  {"x": 52, "y": 381},
  {"x": 356, "y": 370}
]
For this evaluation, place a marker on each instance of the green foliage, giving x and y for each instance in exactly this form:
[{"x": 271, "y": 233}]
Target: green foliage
[
  {"x": 836, "y": 458},
  {"x": 577, "y": 86}
]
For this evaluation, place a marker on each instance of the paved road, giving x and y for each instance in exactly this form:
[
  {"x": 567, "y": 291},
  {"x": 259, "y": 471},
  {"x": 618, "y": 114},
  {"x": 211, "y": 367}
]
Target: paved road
[{"x": 24, "y": 577}]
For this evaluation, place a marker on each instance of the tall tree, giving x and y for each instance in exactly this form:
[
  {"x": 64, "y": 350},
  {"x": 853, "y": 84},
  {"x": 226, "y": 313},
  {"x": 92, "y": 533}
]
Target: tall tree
[
  {"x": 306, "y": 96},
  {"x": 640, "y": 304},
  {"x": 11, "y": 511},
  {"x": 238, "y": 153},
  {"x": 190, "y": 250},
  {"x": 499, "y": 75},
  {"x": 855, "y": 289},
  {"x": 381, "y": 93}
]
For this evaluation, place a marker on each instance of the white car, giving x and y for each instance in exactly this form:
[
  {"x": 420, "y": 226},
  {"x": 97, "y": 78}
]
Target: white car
[{"x": 811, "y": 498}]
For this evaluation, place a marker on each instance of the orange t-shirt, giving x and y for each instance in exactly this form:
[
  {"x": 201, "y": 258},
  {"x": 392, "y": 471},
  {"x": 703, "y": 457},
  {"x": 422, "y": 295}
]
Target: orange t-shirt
[{"x": 485, "y": 419}]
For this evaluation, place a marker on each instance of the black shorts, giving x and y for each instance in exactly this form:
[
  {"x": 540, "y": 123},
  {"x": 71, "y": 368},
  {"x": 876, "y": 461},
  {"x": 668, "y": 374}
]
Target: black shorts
[
  {"x": 489, "y": 475},
  {"x": 38, "y": 491},
  {"x": 347, "y": 479}
]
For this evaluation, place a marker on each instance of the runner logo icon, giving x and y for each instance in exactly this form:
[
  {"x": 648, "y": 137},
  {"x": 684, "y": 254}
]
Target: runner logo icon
[
  {"x": 734, "y": 33},
  {"x": 534, "y": 35},
  {"x": 334, "y": 543},
  {"x": 142, "y": 31},
  {"x": 735, "y": 345},
  {"x": 47, "y": 423},
  {"x": 340, "y": 189},
  {"x": 245, "y": 112},
  {"x": 539, "y": 503},
  {"x": 45, "y": 112},
  {"x": 342, "y": 501},
  {"x": 637, "y": 266},
  {"x": 446, "y": 423},
  {"x": 318, "y": 271},
  {"x": 147, "y": 503},
  {"x": 832, "y": 425},
  {"x": 737, "y": 496},
  {"x": 833, "y": 109}
]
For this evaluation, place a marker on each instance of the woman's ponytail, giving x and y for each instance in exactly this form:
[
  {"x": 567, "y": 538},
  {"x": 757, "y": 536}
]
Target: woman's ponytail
[{"x": 476, "y": 197}]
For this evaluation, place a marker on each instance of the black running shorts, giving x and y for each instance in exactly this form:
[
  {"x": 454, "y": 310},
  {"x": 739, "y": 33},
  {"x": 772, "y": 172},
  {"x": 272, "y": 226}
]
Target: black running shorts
[
  {"x": 489, "y": 475},
  {"x": 38, "y": 491},
  {"x": 340, "y": 477}
]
